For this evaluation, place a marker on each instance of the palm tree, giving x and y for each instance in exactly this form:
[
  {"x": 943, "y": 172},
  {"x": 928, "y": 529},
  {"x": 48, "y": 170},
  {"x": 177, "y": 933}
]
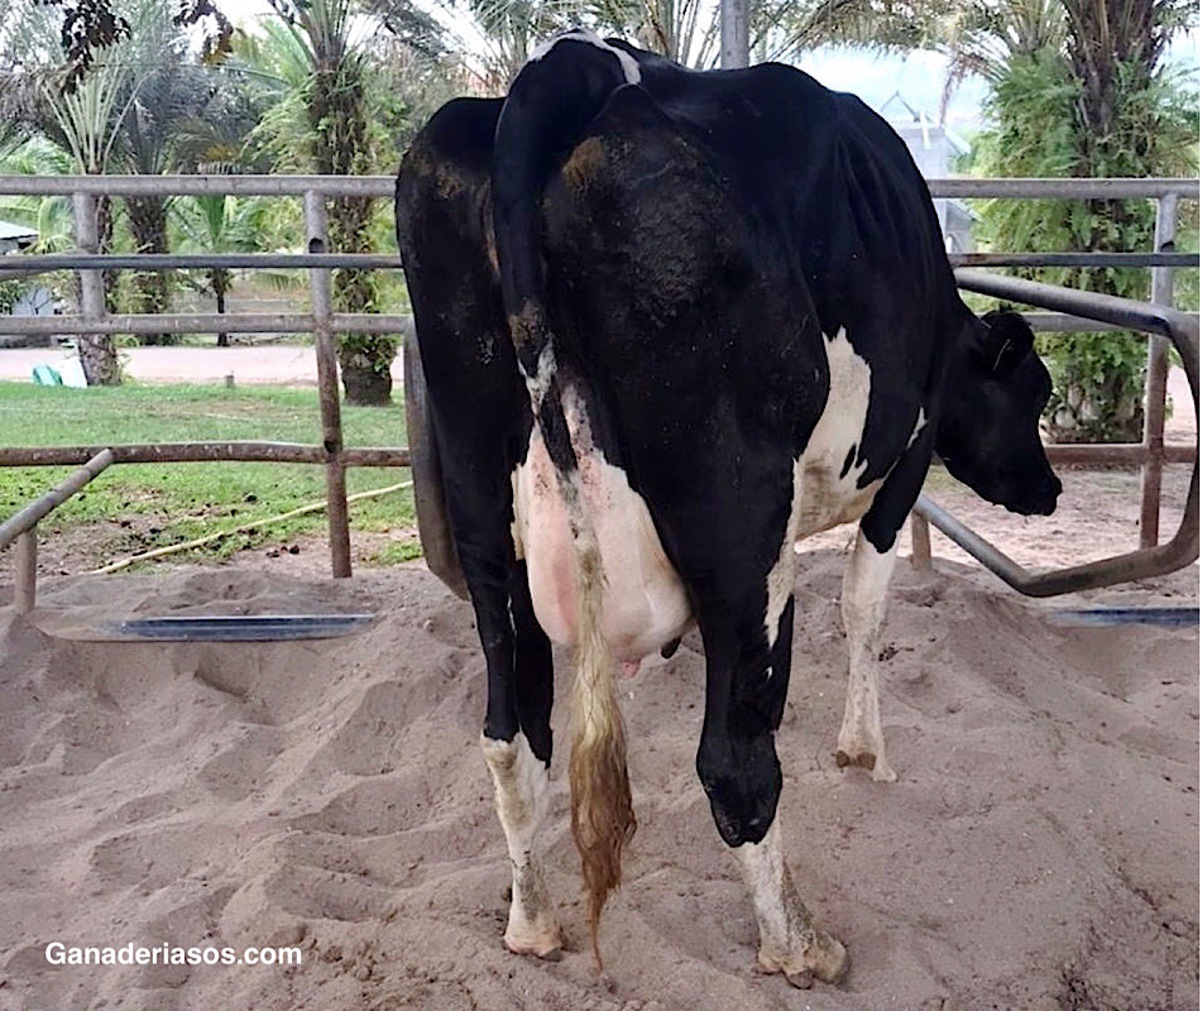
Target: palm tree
[
  {"x": 85, "y": 124},
  {"x": 175, "y": 91},
  {"x": 226, "y": 224},
  {"x": 1078, "y": 90},
  {"x": 329, "y": 120}
]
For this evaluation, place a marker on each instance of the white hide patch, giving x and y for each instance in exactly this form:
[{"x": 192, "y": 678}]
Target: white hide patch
[
  {"x": 829, "y": 496},
  {"x": 917, "y": 428},
  {"x": 539, "y": 383},
  {"x": 645, "y": 604},
  {"x": 822, "y": 496},
  {"x": 629, "y": 67}
]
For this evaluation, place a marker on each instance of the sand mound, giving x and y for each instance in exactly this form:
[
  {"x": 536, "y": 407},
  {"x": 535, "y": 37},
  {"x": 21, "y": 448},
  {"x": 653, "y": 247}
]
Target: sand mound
[{"x": 1038, "y": 852}]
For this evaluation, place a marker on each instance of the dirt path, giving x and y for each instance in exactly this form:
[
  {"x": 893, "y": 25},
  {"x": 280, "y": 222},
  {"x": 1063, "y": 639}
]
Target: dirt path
[{"x": 271, "y": 364}]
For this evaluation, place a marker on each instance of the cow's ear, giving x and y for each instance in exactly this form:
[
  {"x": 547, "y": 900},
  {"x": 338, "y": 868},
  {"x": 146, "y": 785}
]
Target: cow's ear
[{"x": 1006, "y": 340}]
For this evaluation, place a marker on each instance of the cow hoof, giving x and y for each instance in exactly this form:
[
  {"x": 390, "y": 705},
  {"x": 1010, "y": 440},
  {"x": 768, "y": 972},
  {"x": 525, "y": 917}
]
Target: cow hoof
[
  {"x": 547, "y": 951},
  {"x": 825, "y": 959},
  {"x": 831, "y": 960},
  {"x": 881, "y": 772}
]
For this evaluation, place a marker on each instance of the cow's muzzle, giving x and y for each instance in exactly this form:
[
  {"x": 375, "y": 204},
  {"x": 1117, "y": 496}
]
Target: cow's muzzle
[{"x": 1043, "y": 501}]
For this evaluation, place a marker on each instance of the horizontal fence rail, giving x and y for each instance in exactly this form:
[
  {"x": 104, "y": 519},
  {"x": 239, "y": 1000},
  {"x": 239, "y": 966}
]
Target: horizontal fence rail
[
  {"x": 385, "y": 186},
  {"x": 1066, "y": 313},
  {"x": 26, "y": 264},
  {"x": 204, "y": 322},
  {"x": 42, "y": 263},
  {"x": 200, "y": 185},
  {"x": 203, "y": 452},
  {"x": 1065, "y": 189}
]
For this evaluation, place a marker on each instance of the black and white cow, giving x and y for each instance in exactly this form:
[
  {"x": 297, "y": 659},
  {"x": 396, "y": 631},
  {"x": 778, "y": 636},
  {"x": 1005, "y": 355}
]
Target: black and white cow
[{"x": 671, "y": 323}]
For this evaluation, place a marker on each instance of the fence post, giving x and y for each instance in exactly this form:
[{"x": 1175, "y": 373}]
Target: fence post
[
  {"x": 25, "y": 591},
  {"x": 922, "y": 550},
  {"x": 320, "y": 278},
  {"x": 1158, "y": 366}
]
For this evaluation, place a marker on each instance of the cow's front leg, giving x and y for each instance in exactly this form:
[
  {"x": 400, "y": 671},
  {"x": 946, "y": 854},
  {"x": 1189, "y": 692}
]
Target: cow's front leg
[
  {"x": 788, "y": 940},
  {"x": 517, "y": 746},
  {"x": 864, "y": 602}
]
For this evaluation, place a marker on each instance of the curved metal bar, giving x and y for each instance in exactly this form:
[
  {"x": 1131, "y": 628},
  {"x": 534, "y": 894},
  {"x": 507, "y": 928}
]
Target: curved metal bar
[
  {"x": 40, "y": 508},
  {"x": 1073, "y": 260},
  {"x": 1184, "y": 547}
]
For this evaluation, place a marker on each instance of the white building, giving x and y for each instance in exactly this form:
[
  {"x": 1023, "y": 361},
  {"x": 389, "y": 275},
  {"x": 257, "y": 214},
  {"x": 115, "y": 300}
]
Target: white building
[
  {"x": 16, "y": 238},
  {"x": 935, "y": 149}
]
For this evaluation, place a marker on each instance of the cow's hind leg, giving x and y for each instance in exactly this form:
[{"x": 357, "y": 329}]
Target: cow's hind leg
[
  {"x": 522, "y": 800},
  {"x": 748, "y": 674},
  {"x": 516, "y": 745},
  {"x": 864, "y": 602},
  {"x": 788, "y": 940}
]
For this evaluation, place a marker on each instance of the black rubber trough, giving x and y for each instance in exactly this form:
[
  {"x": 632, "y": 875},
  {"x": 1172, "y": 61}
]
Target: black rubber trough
[
  {"x": 1170, "y": 617},
  {"x": 241, "y": 628}
]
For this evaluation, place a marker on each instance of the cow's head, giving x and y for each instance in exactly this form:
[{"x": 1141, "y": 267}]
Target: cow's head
[{"x": 988, "y": 434}]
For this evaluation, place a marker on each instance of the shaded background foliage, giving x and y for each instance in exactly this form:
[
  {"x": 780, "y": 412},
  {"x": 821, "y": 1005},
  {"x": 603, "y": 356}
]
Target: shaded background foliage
[{"x": 1090, "y": 100}]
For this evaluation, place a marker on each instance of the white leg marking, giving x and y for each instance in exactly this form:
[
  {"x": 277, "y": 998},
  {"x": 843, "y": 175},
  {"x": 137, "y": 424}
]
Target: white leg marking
[
  {"x": 629, "y": 67},
  {"x": 788, "y": 941},
  {"x": 522, "y": 800},
  {"x": 864, "y": 603},
  {"x": 835, "y": 458}
]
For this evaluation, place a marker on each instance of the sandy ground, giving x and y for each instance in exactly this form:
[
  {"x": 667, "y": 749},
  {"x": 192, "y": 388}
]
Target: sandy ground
[{"x": 1038, "y": 852}]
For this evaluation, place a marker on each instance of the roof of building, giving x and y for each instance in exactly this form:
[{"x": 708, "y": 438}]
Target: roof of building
[{"x": 10, "y": 231}]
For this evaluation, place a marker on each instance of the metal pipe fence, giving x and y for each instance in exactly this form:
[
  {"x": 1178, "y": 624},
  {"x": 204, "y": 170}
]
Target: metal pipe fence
[{"x": 324, "y": 323}]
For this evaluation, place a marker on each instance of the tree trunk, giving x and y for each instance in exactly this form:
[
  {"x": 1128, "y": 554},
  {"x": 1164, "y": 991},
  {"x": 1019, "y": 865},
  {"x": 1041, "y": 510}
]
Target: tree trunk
[
  {"x": 99, "y": 358},
  {"x": 1112, "y": 48},
  {"x": 365, "y": 387},
  {"x": 98, "y": 352},
  {"x": 337, "y": 114},
  {"x": 151, "y": 289},
  {"x": 1108, "y": 409},
  {"x": 220, "y": 285}
]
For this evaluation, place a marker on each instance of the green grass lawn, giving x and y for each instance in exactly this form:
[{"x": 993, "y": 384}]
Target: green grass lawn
[{"x": 133, "y": 507}]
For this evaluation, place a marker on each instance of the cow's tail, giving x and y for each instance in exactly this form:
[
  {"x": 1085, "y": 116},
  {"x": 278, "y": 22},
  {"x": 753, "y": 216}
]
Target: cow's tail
[
  {"x": 547, "y": 109},
  {"x": 602, "y": 818}
]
